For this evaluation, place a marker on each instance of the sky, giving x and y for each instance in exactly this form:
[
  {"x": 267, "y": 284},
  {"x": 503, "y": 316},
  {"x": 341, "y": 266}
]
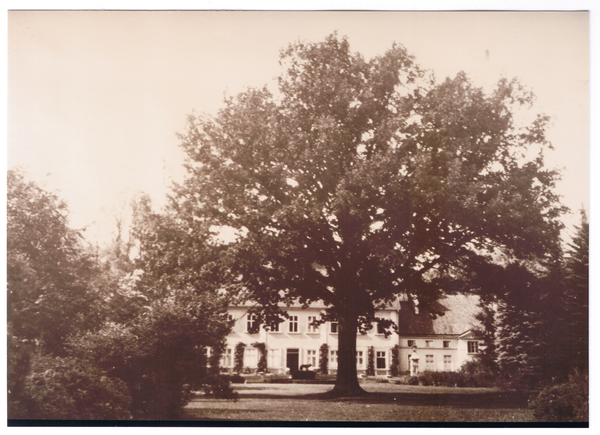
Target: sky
[{"x": 95, "y": 99}]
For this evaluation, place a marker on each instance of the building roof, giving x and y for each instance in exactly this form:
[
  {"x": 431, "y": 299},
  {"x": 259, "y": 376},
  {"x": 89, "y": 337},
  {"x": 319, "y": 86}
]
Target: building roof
[
  {"x": 393, "y": 305},
  {"x": 458, "y": 317}
]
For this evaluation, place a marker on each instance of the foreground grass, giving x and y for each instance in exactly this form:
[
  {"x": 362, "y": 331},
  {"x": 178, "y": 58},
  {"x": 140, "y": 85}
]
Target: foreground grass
[
  {"x": 305, "y": 403},
  {"x": 303, "y": 410}
]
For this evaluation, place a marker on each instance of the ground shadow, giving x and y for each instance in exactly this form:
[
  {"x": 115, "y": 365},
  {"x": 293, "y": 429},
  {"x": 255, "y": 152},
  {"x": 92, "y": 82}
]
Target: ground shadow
[{"x": 488, "y": 400}]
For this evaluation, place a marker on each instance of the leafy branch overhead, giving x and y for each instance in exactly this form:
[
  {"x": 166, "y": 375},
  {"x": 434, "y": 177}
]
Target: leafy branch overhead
[
  {"x": 360, "y": 180},
  {"x": 367, "y": 172}
]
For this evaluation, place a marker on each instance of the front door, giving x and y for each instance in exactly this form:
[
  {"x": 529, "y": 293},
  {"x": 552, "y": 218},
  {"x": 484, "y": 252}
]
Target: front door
[{"x": 293, "y": 359}]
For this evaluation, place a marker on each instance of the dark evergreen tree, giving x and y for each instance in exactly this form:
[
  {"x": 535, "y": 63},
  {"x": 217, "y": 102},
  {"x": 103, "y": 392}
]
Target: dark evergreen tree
[{"x": 577, "y": 296}]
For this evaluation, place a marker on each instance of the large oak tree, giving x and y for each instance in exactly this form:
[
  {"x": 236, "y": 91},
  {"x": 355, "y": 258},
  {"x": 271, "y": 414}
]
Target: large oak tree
[{"x": 362, "y": 180}]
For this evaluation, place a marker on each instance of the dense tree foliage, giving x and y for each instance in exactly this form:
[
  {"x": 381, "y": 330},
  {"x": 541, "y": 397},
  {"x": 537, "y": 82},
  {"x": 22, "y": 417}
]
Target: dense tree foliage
[
  {"x": 360, "y": 180},
  {"x": 70, "y": 388},
  {"x": 536, "y": 316},
  {"x": 96, "y": 335},
  {"x": 577, "y": 296},
  {"x": 566, "y": 402},
  {"x": 50, "y": 275},
  {"x": 173, "y": 316}
]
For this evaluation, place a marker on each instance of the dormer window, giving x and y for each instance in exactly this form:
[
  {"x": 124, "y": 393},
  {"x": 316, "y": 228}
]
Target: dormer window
[{"x": 251, "y": 326}]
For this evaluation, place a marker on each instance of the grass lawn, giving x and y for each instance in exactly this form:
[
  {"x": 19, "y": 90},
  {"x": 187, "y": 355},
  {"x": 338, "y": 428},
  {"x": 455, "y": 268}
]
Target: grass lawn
[{"x": 388, "y": 402}]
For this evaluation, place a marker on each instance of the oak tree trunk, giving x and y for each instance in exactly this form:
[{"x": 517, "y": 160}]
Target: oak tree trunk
[{"x": 346, "y": 383}]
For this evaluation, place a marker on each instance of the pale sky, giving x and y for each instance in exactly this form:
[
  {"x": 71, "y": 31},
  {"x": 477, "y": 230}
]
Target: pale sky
[{"x": 95, "y": 98}]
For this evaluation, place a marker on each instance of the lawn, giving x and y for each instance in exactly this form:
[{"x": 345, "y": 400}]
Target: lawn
[{"x": 387, "y": 403}]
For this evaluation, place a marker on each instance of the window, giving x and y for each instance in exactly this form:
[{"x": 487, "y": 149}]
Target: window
[
  {"x": 274, "y": 327},
  {"x": 381, "y": 359},
  {"x": 333, "y": 358},
  {"x": 447, "y": 363},
  {"x": 446, "y": 344},
  {"x": 334, "y": 327},
  {"x": 410, "y": 343},
  {"x": 293, "y": 324},
  {"x": 227, "y": 358},
  {"x": 429, "y": 362},
  {"x": 312, "y": 329},
  {"x": 274, "y": 358},
  {"x": 473, "y": 346},
  {"x": 311, "y": 357},
  {"x": 428, "y": 343},
  {"x": 251, "y": 325},
  {"x": 360, "y": 362},
  {"x": 380, "y": 329},
  {"x": 250, "y": 355}
]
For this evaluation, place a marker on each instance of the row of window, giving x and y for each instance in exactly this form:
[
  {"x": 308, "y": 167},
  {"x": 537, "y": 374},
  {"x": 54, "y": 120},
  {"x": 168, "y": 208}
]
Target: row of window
[
  {"x": 472, "y": 346},
  {"x": 430, "y": 362},
  {"x": 274, "y": 358},
  {"x": 251, "y": 325},
  {"x": 428, "y": 343}
]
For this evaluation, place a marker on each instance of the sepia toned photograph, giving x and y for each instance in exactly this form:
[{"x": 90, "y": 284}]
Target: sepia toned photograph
[{"x": 298, "y": 218}]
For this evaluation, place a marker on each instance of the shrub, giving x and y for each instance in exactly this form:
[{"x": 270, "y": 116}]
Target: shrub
[
  {"x": 220, "y": 387},
  {"x": 262, "y": 359},
  {"x": 18, "y": 364},
  {"x": 454, "y": 379},
  {"x": 395, "y": 360},
  {"x": 413, "y": 380},
  {"x": 426, "y": 378},
  {"x": 68, "y": 388},
  {"x": 238, "y": 357},
  {"x": 371, "y": 362},
  {"x": 305, "y": 375},
  {"x": 160, "y": 356},
  {"x": 439, "y": 378},
  {"x": 236, "y": 379},
  {"x": 568, "y": 402},
  {"x": 478, "y": 374},
  {"x": 323, "y": 359}
]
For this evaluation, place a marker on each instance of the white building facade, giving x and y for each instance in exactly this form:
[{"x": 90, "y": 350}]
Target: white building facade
[
  {"x": 297, "y": 342},
  {"x": 423, "y": 343},
  {"x": 443, "y": 342}
]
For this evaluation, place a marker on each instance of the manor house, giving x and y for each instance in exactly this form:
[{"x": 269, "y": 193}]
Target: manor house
[{"x": 424, "y": 343}]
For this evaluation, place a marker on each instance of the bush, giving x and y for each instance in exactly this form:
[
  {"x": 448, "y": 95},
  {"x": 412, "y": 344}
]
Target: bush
[
  {"x": 160, "y": 356},
  {"x": 70, "y": 389},
  {"x": 568, "y": 402},
  {"x": 220, "y": 387},
  {"x": 371, "y": 361},
  {"x": 238, "y": 357},
  {"x": 426, "y": 378},
  {"x": 236, "y": 379},
  {"x": 413, "y": 380},
  {"x": 323, "y": 359},
  {"x": 18, "y": 364},
  {"x": 454, "y": 379},
  {"x": 262, "y": 360},
  {"x": 304, "y": 375},
  {"x": 395, "y": 360},
  {"x": 478, "y": 374}
]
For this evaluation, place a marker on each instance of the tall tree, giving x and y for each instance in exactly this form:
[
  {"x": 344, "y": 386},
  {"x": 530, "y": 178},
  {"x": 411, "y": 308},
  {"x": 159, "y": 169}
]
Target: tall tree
[
  {"x": 361, "y": 180},
  {"x": 50, "y": 274},
  {"x": 165, "y": 314},
  {"x": 577, "y": 295}
]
